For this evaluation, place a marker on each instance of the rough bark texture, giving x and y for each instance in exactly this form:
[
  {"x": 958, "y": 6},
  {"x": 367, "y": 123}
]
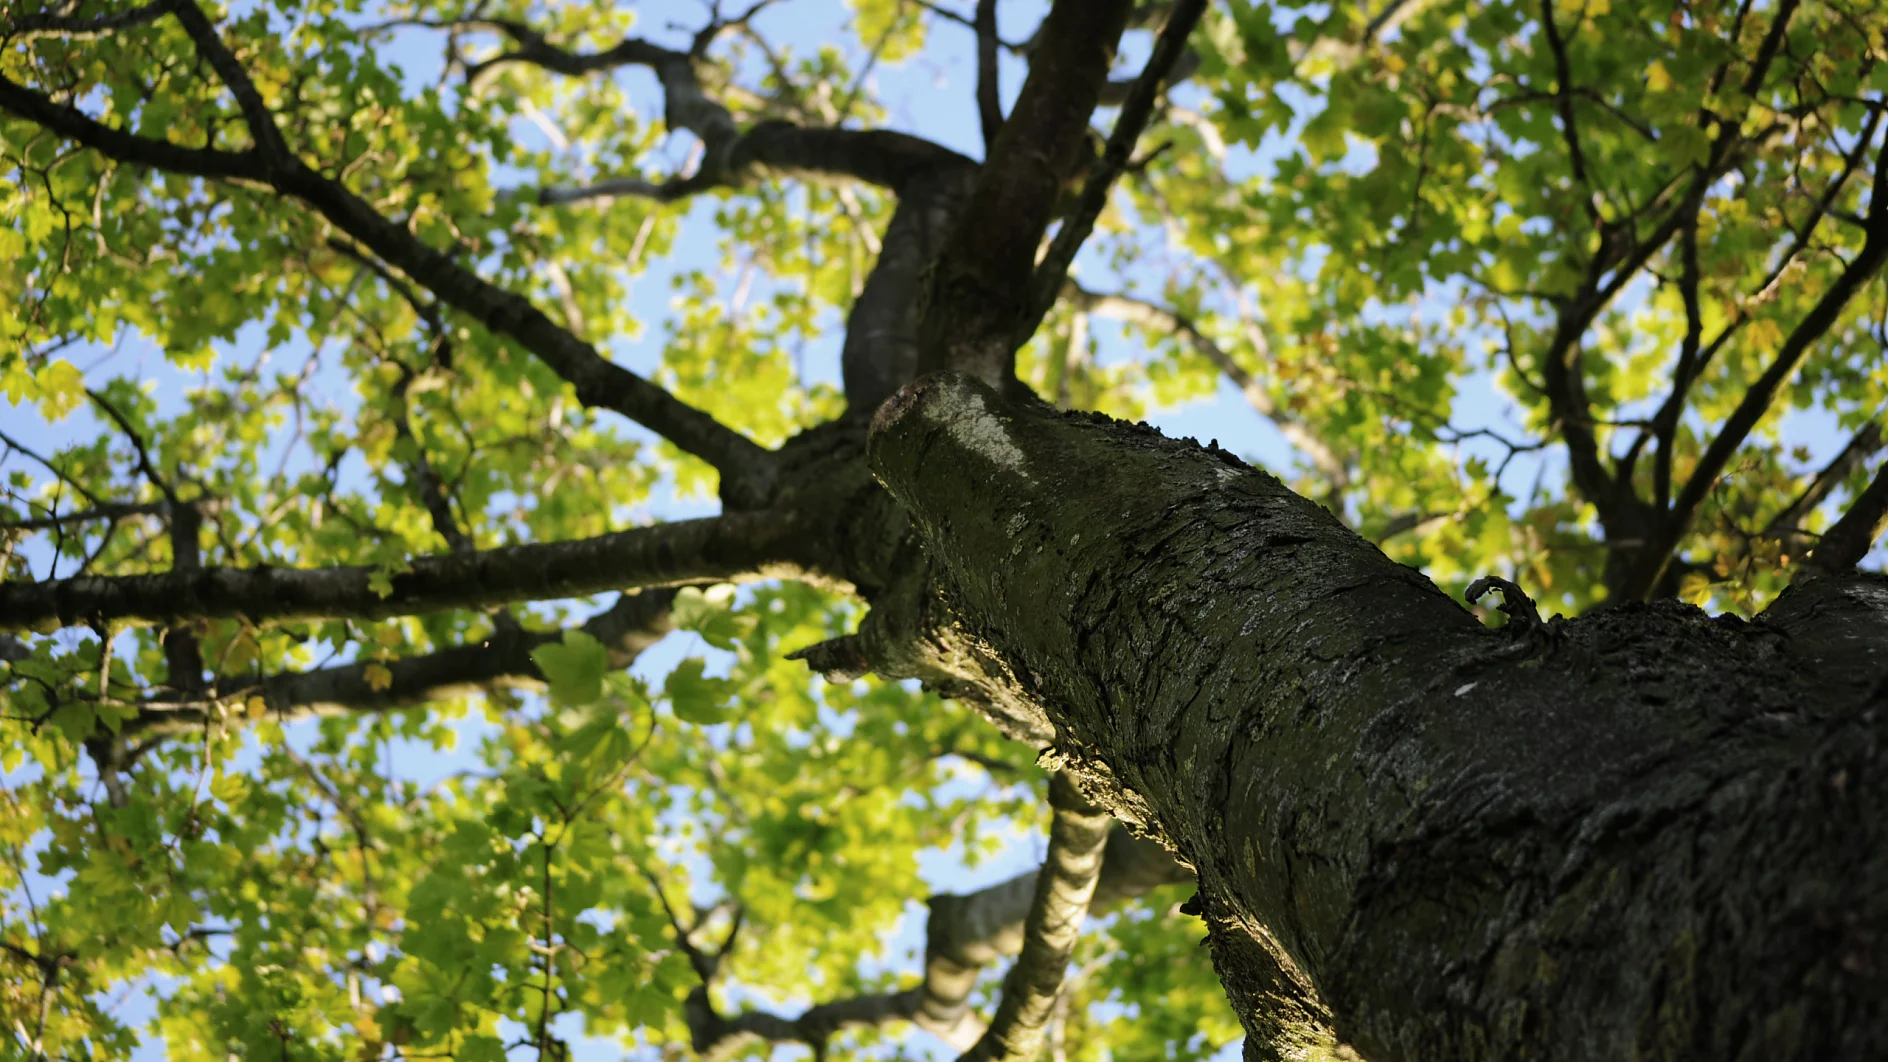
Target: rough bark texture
[{"x": 1644, "y": 833}]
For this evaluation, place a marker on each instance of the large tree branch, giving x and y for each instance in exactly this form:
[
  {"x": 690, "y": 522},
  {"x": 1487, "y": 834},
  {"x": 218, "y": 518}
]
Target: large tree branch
[
  {"x": 880, "y": 351},
  {"x": 746, "y": 468},
  {"x": 729, "y": 154},
  {"x": 876, "y": 156},
  {"x": 980, "y": 290},
  {"x": 989, "y": 98},
  {"x": 1135, "y": 113},
  {"x": 733, "y": 546},
  {"x": 963, "y": 934},
  {"x": 502, "y": 660},
  {"x": 1064, "y": 888}
]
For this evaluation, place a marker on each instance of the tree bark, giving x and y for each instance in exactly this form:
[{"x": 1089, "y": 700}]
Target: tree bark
[{"x": 1644, "y": 833}]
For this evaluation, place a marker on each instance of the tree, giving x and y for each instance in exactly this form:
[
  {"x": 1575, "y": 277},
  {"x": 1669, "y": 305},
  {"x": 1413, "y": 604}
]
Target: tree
[{"x": 1631, "y": 829}]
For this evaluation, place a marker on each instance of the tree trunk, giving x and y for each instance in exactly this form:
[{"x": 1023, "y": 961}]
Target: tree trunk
[{"x": 1645, "y": 833}]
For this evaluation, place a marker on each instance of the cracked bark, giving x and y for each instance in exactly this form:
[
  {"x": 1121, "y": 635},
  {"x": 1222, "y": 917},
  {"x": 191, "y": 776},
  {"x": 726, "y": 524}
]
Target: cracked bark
[{"x": 1643, "y": 833}]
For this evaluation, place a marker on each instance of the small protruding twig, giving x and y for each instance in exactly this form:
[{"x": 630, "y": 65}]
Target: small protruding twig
[
  {"x": 1514, "y": 601},
  {"x": 840, "y": 659}
]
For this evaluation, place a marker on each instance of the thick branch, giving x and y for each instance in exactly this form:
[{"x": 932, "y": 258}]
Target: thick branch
[
  {"x": 729, "y": 155},
  {"x": 1135, "y": 112},
  {"x": 229, "y": 70},
  {"x": 734, "y": 546},
  {"x": 876, "y": 156},
  {"x": 1420, "y": 816},
  {"x": 503, "y": 660},
  {"x": 1063, "y": 891},
  {"x": 963, "y": 934},
  {"x": 980, "y": 291}
]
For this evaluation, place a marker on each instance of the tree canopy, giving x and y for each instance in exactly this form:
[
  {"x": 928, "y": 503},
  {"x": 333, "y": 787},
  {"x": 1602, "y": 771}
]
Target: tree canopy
[{"x": 424, "y": 636}]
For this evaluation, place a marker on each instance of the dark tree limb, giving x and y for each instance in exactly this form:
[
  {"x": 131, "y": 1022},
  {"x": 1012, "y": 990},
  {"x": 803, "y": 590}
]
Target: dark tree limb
[
  {"x": 71, "y": 27},
  {"x": 733, "y": 546},
  {"x": 1844, "y": 545},
  {"x": 1136, "y": 111},
  {"x": 273, "y": 150},
  {"x": 1421, "y": 820},
  {"x": 1563, "y": 99},
  {"x": 729, "y": 154},
  {"x": 989, "y": 98},
  {"x": 1862, "y": 445},
  {"x": 746, "y": 468},
  {"x": 980, "y": 290},
  {"x": 1064, "y": 888},
  {"x": 500, "y": 661},
  {"x": 880, "y": 351},
  {"x": 108, "y": 511}
]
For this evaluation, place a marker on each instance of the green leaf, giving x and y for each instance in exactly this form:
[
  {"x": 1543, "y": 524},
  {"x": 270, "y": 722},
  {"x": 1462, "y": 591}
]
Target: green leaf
[
  {"x": 696, "y": 699},
  {"x": 574, "y": 668}
]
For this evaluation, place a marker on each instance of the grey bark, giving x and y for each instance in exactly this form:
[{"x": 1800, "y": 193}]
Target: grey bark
[
  {"x": 963, "y": 934},
  {"x": 1064, "y": 887},
  {"x": 1644, "y": 833}
]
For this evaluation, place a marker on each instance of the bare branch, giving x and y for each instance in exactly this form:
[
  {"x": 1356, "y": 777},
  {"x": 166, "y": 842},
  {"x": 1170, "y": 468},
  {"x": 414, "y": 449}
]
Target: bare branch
[
  {"x": 1860, "y": 448},
  {"x": 1135, "y": 113},
  {"x": 980, "y": 290},
  {"x": 1845, "y": 544},
  {"x": 1063, "y": 891},
  {"x": 110, "y": 511},
  {"x": 733, "y": 546},
  {"x": 963, "y": 934},
  {"x": 500, "y": 661},
  {"x": 989, "y": 97},
  {"x": 1751, "y": 409}
]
